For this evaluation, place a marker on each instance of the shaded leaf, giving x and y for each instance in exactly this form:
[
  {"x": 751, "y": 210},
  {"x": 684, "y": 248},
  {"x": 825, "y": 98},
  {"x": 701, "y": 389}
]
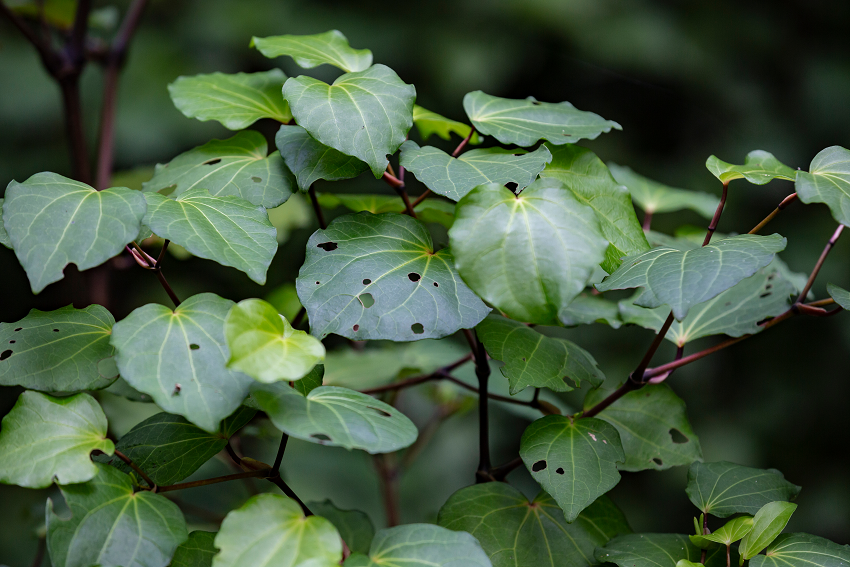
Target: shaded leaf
[
  {"x": 655, "y": 197},
  {"x": 803, "y": 550},
  {"x": 429, "y": 210},
  {"x": 310, "y": 51},
  {"x": 4, "y": 236},
  {"x": 354, "y": 526},
  {"x": 311, "y": 160},
  {"x": 586, "y": 309},
  {"x": 759, "y": 168},
  {"x": 311, "y": 381},
  {"x": 429, "y": 123},
  {"x": 197, "y": 551},
  {"x": 655, "y": 550},
  {"x": 768, "y": 523},
  {"x": 840, "y": 295},
  {"x": 828, "y": 182},
  {"x": 423, "y": 545},
  {"x": 724, "y": 488}
]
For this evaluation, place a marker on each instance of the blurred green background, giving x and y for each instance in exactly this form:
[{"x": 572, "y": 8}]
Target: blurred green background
[{"x": 685, "y": 79}]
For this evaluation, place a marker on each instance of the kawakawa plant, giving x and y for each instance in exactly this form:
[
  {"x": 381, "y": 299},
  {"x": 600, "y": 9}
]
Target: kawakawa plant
[{"x": 539, "y": 230}]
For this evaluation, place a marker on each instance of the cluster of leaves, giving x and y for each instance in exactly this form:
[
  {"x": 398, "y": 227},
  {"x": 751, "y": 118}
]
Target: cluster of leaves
[{"x": 533, "y": 229}]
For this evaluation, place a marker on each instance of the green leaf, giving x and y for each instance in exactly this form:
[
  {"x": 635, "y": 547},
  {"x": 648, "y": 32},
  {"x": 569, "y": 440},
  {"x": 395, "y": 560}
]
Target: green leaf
[
  {"x": 377, "y": 277},
  {"x": 653, "y": 427},
  {"x": 57, "y": 351},
  {"x": 45, "y": 438},
  {"x": 423, "y": 545},
  {"x": 759, "y": 168},
  {"x": 197, "y": 551},
  {"x": 428, "y": 123},
  {"x": 110, "y": 525},
  {"x": 365, "y": 114},
  {"x": 803, "y": 550},
  {"x": 768, "y": 523},
  {"x": 178, "y": 358},
  {"x": 686, "y": 563},
  {"x": 311, "y": 160},
  {"x": 336, "y": 416},
  {"x": 354, "y": 526},
  {"x": 264, "y": 345},
  {"x": 724, "y": 488},
  {"x": 655, "y": 550},
  {"x": 4, "y": 236},
  {"x": 828, "y": 182},
  {"x": 455, "y": 177},
  {"x": 295, "y": 213},
  {"x": 311, "y": 381},
  {"x": 840, "y": 295},
  {"x": 235, "y": 167},
  {"x": 532, "y": 359},
  {"x": 586, "y": 309},
  {"x": 517, "y": 533},
  {"x": 236, "y": 100},
  {"x": 310, "y": 51},
  {"x": 227, "y": 230},
  {"x": 53, "y": 221},
  {"x": 574, "y": 460},
  {"x": 524, "y": 122},
  {"x": 733, "y": 530},
  {"x": 527, "y": 255},
  {"x": 655, "y": 197},
  {"x": 436, "y": 211},
  {"x": 684, "y": 278},
  {"x": 591, "y": 183},
  {"x": 270, "y": 530}
]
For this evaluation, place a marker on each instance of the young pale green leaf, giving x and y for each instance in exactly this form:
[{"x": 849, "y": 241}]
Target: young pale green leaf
[
  {"x": 310, "y": 51},
  {"x": 828, "y": 182},
  {"x": 311, "y": 160},
  {"x": 586, "y": 309},
  {"x": 686, "y": 563},
  {"x": 759, "y": 168},
  {"x": 722, "y": 488},
  {"x": 227, "y": 230},
  {"x": 112, "y": 526},
  {"x": 768, "y": 523},
  {"x": 528, "y": 255},
  {"x": 4, "y": 236},
  {"x": 524, "y": 122},
  {"x": 421, "y": 545},
  {"x": 429, "y": 123},
  {"x": 733, "y": 530},
  {"x": 365, "y": 114},
  {"x": 436, "y": 211},
  {"x": 236, "y": 100},
  {"x": 235, "y": 167},
  {"x": 271, "y": 530},
  {"x": 53, "y": 221},
  {"x": 840, "y": 295},
  {"x": 655, "y": 550},
  {"x": 591, "y": 183},
  {"x": 311, "y": 381},
  {"x": 45, "y": 438},
  {"x": 377, "y": 277},
  {"x": 455, "y": 177},
  {"x": 655, "y": 197},
  {"x": 574, "y": 460},
  {"x": 532, "y": 359},
  {"x": 264, "y": 345},
  {"x": 178, "y": 358},
  {"x": 517, "y": 533},
  {"x": 653, "y": 427},
  {"x": 57, "y": 351},
  {"x": 684, "y": 278},
  {"x": 197, "y": 551},
  {"x": 336, "y": 416},
  {"x": 803, "y": 550},
  {"x": 354, "y": 526}
]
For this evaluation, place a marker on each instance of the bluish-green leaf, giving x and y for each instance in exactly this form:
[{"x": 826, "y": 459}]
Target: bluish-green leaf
[
  {"x": 768, "y": 523},
  {"x": 354, "y": 526},
  {"x": 759, "y": 168},
  {"x": 828, "y": 182},
  {"x": 803, "y": 550},
  {"x": 586, "y": 309},
  {"x": 840, "y": 295},
  {"x": 310, "y": 51},
  {"x": 436, "y": 211},
  {"x": 655, "y": 197},
  {"x": 4, "y": 236},
  {"x": 724, "y": 488},
  {"x": 311, "y": 160},
  {"x": 197, "y": 551},
  {"x": 421, "y": 545},
  {"x": 429, "y": 123}
]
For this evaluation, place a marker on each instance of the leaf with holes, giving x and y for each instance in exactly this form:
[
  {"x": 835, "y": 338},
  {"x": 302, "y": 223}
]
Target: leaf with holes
[
  {"x": 264, "y": 345},
  {"x": 53, "y": 221},
  {"x": 724, "y": 488},
  {"x": 57, "y": 351},
  {"x": 310, "y": 51},
  {"x": 803, "y": 550},
  {"x": 656, "y": 550},
  {"x": 311, "y": 160},
  {"x": 112, "y": 525},
  {"x": 354, "y": 526},
  {"x": 178, "y": 358},
  {"x": 524, "y": 122},
  {"x": 422, "y": 545},
  {"x": 429, "y": 123},
  {"x": 532, "y": 359},
  {"x": 517, "y": 533},
  {"x": 236, "y": 100},
  {"x": 528, "y": 255},
  {"x": 455, "y": 177},
  {"x": 197, "y": 551},
  {"x": 227, "y": 230},
  {"x": 586, "y": 309},
  {"x": 45, "y": 438},
  {"x": 828, "y": 182},
  {"x": 235, "y": 167},
  {"x": 430, "y": 210},
  {"x": 336, "y": 416},
  {"x": 590, "y": 182},
  {"x": 759, "y": 168},
  {"x": 270, "y": 529},
  {"x": 655, "y": 197},
  {"x": 377, "y": 277},
  {"x": 653, "y": 427},
  {"x": 574, "y": 460},
  {"x": 365, "y": 114},
  {"x": 768, "y": 523},
  {"x": 840, "y": 295},
  {"x": 4, "y": 236}
]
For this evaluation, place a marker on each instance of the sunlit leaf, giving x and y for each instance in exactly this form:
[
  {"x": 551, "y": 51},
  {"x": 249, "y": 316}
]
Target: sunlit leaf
[
  {"x": 354, "y": 526},
  {"x": 803, "y": 550},
  {"x": 828, "y": 182},
  {"x": 310, "y": 51},
  {"x": 421, "y": 545},
  {"x": 722, "y": 488},
  {"x": 429, "y": 123},
  {"x": 655, "y": 197},
  {"x": 311, "y": 160},
  {"x": 430, "y": 210},
  {"x": 655, "y": 550},
  {"x": 759, "y": 168},
  {"x": 732, "y": 531},
  {"x": 197, "y": 551},
  {"x": 768, "y": 523},
  {"x": 586, "y": 309},
  {"x": 840, "y": 295}
]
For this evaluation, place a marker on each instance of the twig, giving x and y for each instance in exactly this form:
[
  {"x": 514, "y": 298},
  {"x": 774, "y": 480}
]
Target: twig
[
  {"x": 482, "y": 372},
  {"x": 136, "y": 468},
  {"x": 299, "y": 317},
  {"x": 263, "y": 473},
  {"x": 680, "y": 351},
  {"x": 436, "y": 375},
  {"x": 174, "y": 299},
  {"x": 280, "y": 450},
  {"x": 638, "y": 374},
  {"x": 232, "y": 453},
  {"x": 647, "y": 220},
  {"x": 819, "y": 263},
  {"x": 392, "y": 180},
  {"x": 712, "y": 226},
  {"x": 158, "y": 264},
  {"x": 39, "y": 552},
  {"x": 463, "y": 143},
  {"x": 388, "y": 478},
  {"x": 70, "y": 87},
  {"x": 779, "y": 208},
  {"x": 320, "y": 216},
  {"x": 421, "y": 198},
  {"x": 277, "y": 481},
  {"x": 500, "y": 472}
]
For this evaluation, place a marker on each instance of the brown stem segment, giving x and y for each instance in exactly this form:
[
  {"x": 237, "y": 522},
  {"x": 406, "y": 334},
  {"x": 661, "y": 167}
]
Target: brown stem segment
[
  {"x": 463, "y": 143},
  {"x": 779, "y": 208},
  {"x": 717, "y": 212},
  {"x": 819, "y": 263},
  {"x": 421, "y": 198},
  {"x": 482, "y": 372},
  {"x": 74, "y": 127},
  {"x": 207, "y": 481},
  {"x": 136, "y": 468},
  {"x": 437, "y": 375},
  {"x": 280, "y": 450},
  {"x": 320, "y": 216},
  {"x": 647, "y": 220},
  {"x": 277, "y": 481},
  {"x": 500, "y": 472},
  {"x": 388, "y": 476}
]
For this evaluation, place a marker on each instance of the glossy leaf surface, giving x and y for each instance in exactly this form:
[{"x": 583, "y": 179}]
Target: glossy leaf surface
[
  {"x": 197, "y": 551},
  {"x": 354, "y": 526},
  {"x": 311, "y": 160},
  {"x": 759, "y": 168},
  {"x": 655, "y": 550},
  {"x": 724, "y": 488},
  {"x": 828, "y": 182},
  {"x": 655, "y": 197},
  {"x": 421, "y": 545},
  {"x": 429, "y": 123},
  {"x": 430, "y": 210},
  {"x": 803, "y": 550},
  {"x": 732, "y": 531},
  {"x": 310, "y": 51},
  {"x": 768, "y": 523}
]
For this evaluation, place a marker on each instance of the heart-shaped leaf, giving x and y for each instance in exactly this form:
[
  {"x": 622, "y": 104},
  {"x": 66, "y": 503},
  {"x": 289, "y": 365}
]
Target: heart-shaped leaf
[
  {"x": 178, "y": 357},
  {"x": 197, "y": 551},
  {"x": 354, "y": 526},
  {"x": 421, "y": 545},
  {"x": 310, "y": 51},
  {"x": 430, "y": 210},
  {"x": 733, "y": 530},
  {"x": 4, "y": 236},
  {"x": 656, "y": 550},
  {"x": 236, "y": 100},
  {"x": 235, "y": 167},
  {"x": 365, "y": 114},
  {"x": 803, "y": 550},
  {"x": 530, "y": 254},
  {"x": 840, "y": 295},
  {"x": 655, "y": 197},
  {"x": 57, "y": 351},
  {"x": 768, "y": 523},
  {"x": 586, "y": 309},
  {"x": 759, "y": 168},
  {"x": 524, "y": 122},
  {"x": 377, "y": 277},
  {"x": 311, "y": 160},
  {"x": 428, "y": 123},
  {"x": 53, "y": 221},
  {"x": 828, "y": 182},
  {"x": 722, "y": 488}
]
